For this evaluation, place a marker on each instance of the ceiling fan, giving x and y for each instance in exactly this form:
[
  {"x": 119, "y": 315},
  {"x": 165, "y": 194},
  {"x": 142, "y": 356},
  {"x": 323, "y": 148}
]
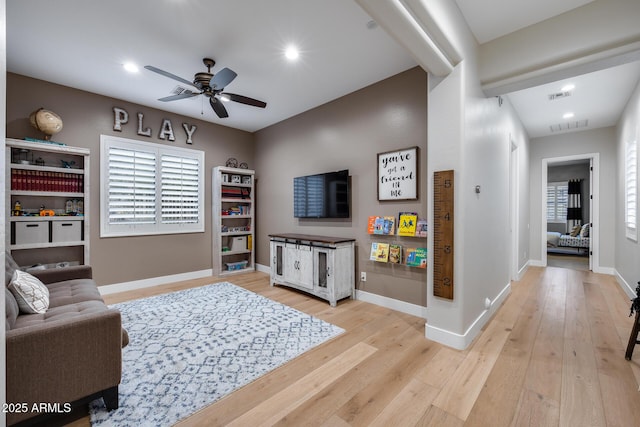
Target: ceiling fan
[{"x": 211, "y": 86}]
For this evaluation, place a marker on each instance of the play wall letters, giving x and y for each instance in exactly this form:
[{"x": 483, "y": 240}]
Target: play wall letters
[{"x": 121, "y": 117}]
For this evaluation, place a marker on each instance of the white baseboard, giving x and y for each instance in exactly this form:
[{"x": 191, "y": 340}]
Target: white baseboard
[
  {"x": 155, "y": 281},
  {"x": 263, "y": 268},
  {"x": 536, "y": 263},
  {"x": 626, "y": 287},
  {"x": 393, "y": 304},
  {"x": 462, "y": 341},
  {"x": 522, "y": 271},
  {"x": 605, "y": 270}
]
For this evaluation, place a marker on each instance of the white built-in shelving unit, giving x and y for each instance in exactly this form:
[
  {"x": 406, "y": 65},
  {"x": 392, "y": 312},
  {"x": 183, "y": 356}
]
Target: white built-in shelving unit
[{"x": 233, "y": 225}]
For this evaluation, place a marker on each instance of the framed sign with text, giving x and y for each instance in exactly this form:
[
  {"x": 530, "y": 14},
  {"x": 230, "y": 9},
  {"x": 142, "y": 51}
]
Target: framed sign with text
[{"x": 398, "y": 174}]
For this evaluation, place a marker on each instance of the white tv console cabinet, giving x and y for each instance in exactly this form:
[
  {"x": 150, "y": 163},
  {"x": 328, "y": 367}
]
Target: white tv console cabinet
[{"x": 322, "y": 266}]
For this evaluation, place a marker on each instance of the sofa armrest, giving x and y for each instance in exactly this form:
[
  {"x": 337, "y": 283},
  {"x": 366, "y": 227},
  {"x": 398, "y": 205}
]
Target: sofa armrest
[
  {"x": 53, "y": 275},
  {"x": 64, "y": 360}
]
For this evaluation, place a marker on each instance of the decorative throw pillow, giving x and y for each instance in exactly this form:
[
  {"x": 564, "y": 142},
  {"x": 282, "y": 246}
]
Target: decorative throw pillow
[
  {"x": 584, "y": 231},
  {"x": 31, "y": 294},
  {"x": 575, "y": 231}
]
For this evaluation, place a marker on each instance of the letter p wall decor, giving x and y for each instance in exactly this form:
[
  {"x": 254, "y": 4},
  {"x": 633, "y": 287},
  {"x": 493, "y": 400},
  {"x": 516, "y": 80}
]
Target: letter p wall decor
[{"x": 398, "y": 175}]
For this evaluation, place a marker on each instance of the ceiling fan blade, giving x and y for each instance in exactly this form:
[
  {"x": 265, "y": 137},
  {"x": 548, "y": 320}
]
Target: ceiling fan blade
[
  {"x": 218, "y": 108},
  {"x": 179, "y": 96},
  {"x": 244, "y": 100},
  {"x": 222, "y": 78},
  {"x": 171, "y": 76}
]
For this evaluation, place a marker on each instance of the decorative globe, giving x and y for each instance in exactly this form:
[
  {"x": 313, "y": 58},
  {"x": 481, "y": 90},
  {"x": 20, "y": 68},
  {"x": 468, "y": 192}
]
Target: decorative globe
[{"x": 46, "y": 122}]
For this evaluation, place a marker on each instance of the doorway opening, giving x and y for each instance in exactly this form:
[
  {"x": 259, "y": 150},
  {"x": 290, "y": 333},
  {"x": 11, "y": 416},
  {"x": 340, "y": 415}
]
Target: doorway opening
[{"x": 570, "y": 188}]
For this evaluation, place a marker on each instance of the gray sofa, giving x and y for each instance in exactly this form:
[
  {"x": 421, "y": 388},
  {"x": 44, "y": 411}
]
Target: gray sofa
[{"x": 70, "y": 353}]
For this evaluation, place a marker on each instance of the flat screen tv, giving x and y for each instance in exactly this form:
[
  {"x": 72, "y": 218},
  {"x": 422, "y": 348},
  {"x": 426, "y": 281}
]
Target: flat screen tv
[{"x": 324, "y": 195}]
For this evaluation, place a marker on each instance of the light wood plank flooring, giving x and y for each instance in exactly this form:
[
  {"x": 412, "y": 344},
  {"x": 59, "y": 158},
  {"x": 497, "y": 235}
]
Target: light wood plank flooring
[
  {"x": 573, "y": 262},
  {"x": 553, "y": 355}
]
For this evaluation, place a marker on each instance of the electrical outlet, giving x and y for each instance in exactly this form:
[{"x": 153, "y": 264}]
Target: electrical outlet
[{"x": 363, "y": 276}]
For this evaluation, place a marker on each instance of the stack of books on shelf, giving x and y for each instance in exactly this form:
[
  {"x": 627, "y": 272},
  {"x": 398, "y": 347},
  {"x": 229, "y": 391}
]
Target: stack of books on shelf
[
  {"x": 396, "y": 254},
  {"x": 408, "y": 224},
  {"x": 235, "y": 192},
  {"x": 236, "y": 210},
  {"x": 29, "y": 180},
  {"x": 381, "y": 225}
]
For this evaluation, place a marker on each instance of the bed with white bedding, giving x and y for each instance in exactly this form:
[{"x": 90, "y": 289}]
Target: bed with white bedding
[{"x": 559, "y": 240}]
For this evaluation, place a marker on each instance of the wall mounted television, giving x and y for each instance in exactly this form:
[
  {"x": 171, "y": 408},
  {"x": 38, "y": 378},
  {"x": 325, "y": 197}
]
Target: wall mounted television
[{"x": 325, "y": 195}]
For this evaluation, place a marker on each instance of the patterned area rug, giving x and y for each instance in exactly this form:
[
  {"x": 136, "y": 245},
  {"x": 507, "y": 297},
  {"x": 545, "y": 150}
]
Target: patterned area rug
[{"x": 189, "y": 348}]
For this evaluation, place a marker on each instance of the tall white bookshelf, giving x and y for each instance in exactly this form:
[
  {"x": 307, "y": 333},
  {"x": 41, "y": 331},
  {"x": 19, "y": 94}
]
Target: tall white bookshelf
[
  {"x": 233, "y": 224},
  {"x": 53, "y": 180}
]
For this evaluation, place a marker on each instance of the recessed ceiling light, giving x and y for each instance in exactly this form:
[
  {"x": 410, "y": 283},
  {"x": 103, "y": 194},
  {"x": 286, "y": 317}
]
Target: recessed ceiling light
[
  {"x": 568, "y": 116},
  {"x": 131, "y": 67},
  {"x": 291, "y": 53},
  {"x": 568, "y": 88}
]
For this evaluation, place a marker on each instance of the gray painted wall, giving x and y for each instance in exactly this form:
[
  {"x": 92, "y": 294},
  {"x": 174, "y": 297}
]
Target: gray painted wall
[
  {"x": 348, "y": 133},
  {"x": 627, "y": 251},
  {"x": 600, "y": 141},
  {"x": 86, "y": 116},
  {"x": 472, "y": 135}
]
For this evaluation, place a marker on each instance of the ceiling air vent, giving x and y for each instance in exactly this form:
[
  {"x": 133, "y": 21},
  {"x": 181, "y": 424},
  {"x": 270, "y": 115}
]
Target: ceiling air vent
[
  {"x": 569, "y": 125},
  {"x": 559, "y": 95}
]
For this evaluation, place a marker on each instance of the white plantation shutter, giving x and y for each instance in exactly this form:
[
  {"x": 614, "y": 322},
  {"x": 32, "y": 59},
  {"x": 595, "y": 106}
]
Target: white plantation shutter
[
  {"x": 132, "y": 187},
  {"x": 180, "y": 190},
  {"x": 557, "y": 201},
  {"x": 631, "y": 189},
  {"x": 150, "y": 188}
]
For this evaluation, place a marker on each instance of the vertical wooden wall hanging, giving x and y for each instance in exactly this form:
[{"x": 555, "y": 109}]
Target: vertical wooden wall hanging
[{"x": 443, "y": 234}]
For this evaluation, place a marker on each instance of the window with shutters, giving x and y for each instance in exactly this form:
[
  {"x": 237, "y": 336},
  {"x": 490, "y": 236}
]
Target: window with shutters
[
  {"x": 631, "y": 190},
  {"x": 150, "y": 188},
  {"x": 557, "y": 199}
]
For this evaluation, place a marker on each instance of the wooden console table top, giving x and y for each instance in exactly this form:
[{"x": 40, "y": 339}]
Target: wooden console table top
[{"x": 312, "y": 238}]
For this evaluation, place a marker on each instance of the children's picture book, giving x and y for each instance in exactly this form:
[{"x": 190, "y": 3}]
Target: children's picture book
[
  {"x": 379, "y": 252},
  {"x": 407, "y": 223},
  {"x": 371, "y": 224},
  {"x": 389, "y": 225},
  {"x": 395, "y": 254},
  {"x": 378, "y": 225},
  {"x": 416, "y": 257},
  {"x": 421, "y": 228},
  {"x": 381, "y": 225}
]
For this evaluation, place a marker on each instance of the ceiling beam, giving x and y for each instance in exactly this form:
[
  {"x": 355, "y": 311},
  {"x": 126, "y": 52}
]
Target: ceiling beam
[{"x": 411, "y": 24}]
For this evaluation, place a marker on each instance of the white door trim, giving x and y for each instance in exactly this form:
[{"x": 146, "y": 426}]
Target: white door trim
[{"x": 595, "y": 203}]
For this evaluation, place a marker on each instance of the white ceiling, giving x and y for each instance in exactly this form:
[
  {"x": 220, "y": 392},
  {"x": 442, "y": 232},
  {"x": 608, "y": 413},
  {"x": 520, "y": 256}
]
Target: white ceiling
[
  {"x": 599, "y": 97},
  {"x": 84, "y": 43},
  {"x": 490, "y": 19}
]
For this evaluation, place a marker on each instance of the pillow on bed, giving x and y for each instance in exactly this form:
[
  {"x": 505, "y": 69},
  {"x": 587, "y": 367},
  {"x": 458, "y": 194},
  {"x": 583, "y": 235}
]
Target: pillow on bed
[
  {"x": 584, "y": 231},
  {"x": 553, "y": 237},
  {"x": 575, "y": 231}
]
